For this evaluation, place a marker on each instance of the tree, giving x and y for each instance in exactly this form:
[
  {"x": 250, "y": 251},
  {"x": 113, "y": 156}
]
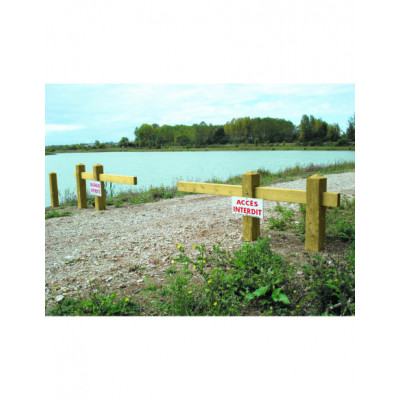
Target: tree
[
  {"x": 351, "y": 129},
  {"x": 182, "y": 140},
  {"x": 333, "y": 134},
  {"x": 305, "y": 134},
  {"x": 145, "y": 135},
  {"x": 320, "y": 131},
  {"x": 220, "y": 136},
  {"x": 124, "y": 142}
]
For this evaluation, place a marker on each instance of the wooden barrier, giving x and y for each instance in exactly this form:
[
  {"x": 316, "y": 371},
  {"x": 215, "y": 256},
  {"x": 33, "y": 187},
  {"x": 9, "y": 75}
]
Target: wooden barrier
[
  {"x": 100, "y": 201},
  {"x": 315, "y": 197},
  {"x": 53, "y": 189}
]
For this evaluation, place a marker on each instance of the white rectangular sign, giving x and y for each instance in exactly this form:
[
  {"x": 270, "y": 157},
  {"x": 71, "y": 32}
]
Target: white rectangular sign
[
  {"x": 95, "y": 188},
  {"x": 247, "y": 206}
]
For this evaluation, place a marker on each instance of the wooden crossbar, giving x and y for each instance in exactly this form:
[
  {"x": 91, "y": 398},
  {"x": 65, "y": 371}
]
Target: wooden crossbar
[
  {"x": 210, "y": 188},
  {"x": 315, "y": 197},
  {"x": 127, "y": 180},
  {"x": 274, "y": 194}
]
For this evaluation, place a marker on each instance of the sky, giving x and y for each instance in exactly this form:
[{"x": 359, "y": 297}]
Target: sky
[{"x": 84, "y": 113}]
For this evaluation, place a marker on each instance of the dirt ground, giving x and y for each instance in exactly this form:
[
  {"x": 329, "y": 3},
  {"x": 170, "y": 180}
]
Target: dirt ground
[{"x": 125, "y": 249}]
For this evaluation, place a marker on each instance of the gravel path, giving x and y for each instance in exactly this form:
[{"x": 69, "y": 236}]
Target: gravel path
[{"x": 120, "y": 248}]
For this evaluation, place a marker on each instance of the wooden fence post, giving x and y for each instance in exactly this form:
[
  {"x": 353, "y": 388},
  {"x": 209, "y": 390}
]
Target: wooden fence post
[
  {"x": 251, "y": 225},
  {"x": 53, "y": 189},
  {"x": 99, "y": 201},
  {"x": 81, "y": 186},
  {"x": 315, "y": 213}
]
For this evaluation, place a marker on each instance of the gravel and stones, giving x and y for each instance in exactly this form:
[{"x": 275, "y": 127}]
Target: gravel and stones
[{"x": 120, "y": 249}]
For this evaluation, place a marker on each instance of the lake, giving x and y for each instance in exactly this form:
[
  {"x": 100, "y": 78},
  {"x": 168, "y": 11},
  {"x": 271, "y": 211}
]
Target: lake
[{"x": 166, "y": 168}]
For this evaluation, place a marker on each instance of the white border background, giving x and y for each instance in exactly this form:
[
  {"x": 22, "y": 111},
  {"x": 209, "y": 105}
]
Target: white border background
[{"x": 218, "y": 41}]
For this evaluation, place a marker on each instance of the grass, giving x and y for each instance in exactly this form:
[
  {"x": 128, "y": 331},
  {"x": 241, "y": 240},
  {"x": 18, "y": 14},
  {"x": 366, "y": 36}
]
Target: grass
[
  {"x": 253, "y": 280},
  {"x": 143, "y": 196},
  {"x": 285, "y": 220},
  {"x": 56, "y": 214},
  {"x": 97, "y": 303}
]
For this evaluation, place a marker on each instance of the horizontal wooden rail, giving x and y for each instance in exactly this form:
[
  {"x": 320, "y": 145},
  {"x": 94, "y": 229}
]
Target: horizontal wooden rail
[
  {"x": 330, "y": 199},
  {"x": 85, "y": 175},
  {"x": 275, "y": 194},
  {"x": 265, "y": 193},
  {"x": 127, "y": 180},
  {"x": 210, "y": 188}
]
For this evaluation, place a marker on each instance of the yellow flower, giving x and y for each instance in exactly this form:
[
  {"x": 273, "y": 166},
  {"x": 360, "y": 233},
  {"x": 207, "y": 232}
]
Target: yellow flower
[
  {"x": 336, "y": 280},
  {"x": 297, "y": 306},
  {"x": 203, "y": 261},
  {"x": 230, "y": 259},
  {"x": 291, "y": 263},
  {"x": 194, "y": 267},
  {"x": 179, "y": 246},
  {"x": 194, "y": 246},
  {"x": 294, "y": 291},
  {"x": 189, "y": 291},
  {"x": 56, "y": 288},
  {"x": 216, "y": 268},
  {"x": 127, "y": 299},
  {"x": 215, "y": 303},
  {"x": 209, "y": 281}
]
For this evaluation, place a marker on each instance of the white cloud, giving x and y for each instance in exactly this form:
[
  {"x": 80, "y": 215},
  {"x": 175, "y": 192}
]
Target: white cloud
[{"x": 62, "y": 127}]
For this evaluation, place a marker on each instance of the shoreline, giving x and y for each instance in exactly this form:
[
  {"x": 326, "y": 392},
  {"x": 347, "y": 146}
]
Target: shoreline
[{"x": 179, "y": 149}]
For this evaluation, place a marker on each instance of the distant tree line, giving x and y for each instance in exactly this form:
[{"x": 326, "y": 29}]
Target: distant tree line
[
  {"x": 309, "y": 132},
  {"x": 82, "y": 146}
]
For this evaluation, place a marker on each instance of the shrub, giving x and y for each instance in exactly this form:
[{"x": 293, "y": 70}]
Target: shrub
[
  {"x": 252, "y": 278},
  {"x": 330, "y": 285},
  {"x": 343, "y": 141}
]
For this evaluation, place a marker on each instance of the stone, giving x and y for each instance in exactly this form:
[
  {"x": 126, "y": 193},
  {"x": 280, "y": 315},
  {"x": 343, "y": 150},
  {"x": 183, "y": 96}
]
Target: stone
[{"x": 59, "y": 298}]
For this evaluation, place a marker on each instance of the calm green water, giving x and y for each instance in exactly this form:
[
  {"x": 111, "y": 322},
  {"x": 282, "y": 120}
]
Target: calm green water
[{"x": 166, "y": 168}]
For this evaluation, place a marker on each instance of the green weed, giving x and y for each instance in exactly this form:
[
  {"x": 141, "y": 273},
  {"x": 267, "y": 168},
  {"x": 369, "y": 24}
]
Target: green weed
[
  {"x": 330, "y": 285},
  {"x": 97, "y": 303},
  {"x": 56, "y": 214},
  {"x": 224, "y": 284},
  {"x": 285, "y": 221}
]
